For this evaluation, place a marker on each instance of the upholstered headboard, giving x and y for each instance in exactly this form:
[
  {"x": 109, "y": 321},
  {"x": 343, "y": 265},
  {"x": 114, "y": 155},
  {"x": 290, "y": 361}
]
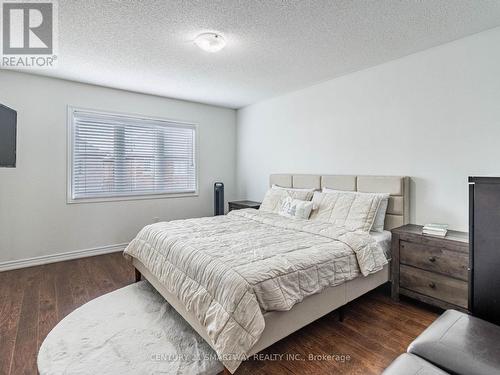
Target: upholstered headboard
[{"x": 398, "y": 210}]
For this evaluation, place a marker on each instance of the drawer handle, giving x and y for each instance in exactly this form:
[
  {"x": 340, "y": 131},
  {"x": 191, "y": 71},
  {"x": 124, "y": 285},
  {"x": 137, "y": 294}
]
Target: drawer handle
[
  {"x": 432, "y": 285},
  {"x": 432, "y": 259}
]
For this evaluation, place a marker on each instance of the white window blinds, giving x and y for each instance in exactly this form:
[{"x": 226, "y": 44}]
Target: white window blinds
[{"x": 118, "y": 156}]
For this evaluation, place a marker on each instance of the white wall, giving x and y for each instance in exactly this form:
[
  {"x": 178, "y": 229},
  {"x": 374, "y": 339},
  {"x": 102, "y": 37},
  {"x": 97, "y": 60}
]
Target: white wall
[
  {"x": 434, "y": 116},
  {"x": 35, "y": 219}
]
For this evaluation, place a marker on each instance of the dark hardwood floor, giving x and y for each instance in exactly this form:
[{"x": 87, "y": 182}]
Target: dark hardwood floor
[{"x": 375, "y": 330}]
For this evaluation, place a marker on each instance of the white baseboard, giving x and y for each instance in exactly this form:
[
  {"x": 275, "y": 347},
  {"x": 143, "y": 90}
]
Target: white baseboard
[{"x": 45, "y": 259}]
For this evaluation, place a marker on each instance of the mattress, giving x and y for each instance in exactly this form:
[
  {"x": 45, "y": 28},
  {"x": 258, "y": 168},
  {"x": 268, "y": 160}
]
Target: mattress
[{"x": 384, "y": 240}]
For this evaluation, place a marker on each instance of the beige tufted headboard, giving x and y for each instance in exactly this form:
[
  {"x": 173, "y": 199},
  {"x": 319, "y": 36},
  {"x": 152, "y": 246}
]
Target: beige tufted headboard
[{"x": 398, "y": 210}]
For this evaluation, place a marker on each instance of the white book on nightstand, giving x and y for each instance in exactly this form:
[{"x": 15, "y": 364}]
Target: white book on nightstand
[{"x": 434, "y": 229}]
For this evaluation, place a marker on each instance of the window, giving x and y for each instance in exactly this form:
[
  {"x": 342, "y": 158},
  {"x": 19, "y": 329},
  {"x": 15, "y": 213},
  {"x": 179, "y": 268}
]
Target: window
[{"x": 117, "y": 156}]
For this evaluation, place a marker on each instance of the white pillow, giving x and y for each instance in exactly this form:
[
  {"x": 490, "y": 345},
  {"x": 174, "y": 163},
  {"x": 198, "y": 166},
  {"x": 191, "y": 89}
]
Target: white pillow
[
  {"x": 274, "y": 196},
  {"x": 379, "y": 222},
  {"x": 348, "y": 209},
  {"x": 274, "y": 186},
  {"x": 295, "y": 208}
]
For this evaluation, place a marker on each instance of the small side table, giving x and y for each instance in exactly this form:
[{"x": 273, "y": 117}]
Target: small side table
[
  {"x": 238, "y": 205},
  {"x": 434, "y": 270}
]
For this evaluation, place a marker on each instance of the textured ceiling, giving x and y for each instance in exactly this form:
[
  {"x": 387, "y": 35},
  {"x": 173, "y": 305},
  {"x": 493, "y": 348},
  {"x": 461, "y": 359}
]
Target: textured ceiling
[{"x": 273, "y": 46}]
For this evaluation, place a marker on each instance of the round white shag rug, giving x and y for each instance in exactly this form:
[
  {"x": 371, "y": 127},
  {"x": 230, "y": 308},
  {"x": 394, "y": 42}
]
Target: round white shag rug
[{"x": 132, "y": 330}]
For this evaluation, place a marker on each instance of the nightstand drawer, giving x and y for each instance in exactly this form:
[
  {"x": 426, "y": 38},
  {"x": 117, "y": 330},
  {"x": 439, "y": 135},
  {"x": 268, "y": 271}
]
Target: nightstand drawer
[
  {"x": 435, "y": 259},
  {"x": 434, "y": 285}
]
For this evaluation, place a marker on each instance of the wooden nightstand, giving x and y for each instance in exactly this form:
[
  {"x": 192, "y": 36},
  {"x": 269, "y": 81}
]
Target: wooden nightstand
[
  {"x": 434, "y": 270},
  {"x": 238, "y": 205}
]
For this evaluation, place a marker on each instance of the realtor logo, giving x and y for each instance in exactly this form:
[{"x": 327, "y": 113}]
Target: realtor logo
[{"x": 28, "y": 34}]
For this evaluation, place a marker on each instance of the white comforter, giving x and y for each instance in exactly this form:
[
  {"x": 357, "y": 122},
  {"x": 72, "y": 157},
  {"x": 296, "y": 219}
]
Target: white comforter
[{"x": 228, "y": 270}]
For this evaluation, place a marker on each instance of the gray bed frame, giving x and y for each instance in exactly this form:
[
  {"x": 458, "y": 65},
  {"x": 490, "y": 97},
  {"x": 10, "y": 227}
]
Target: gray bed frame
[{"x": 280, "y": 324}]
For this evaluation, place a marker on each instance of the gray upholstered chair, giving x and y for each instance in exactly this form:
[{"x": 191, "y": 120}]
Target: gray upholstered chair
[
  {"x": 409, "y": 364},
  {"x": 456, "y": 343}
]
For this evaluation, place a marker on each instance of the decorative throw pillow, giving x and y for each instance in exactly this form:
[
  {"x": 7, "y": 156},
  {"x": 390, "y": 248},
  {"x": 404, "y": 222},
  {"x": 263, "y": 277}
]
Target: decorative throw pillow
[
  {"x": 274, "y": 186},
  {"x": 352, "y": 210},
  {"x": 295, "y": 208},
  {"x": 379, "y": 222},
  {"x": 274, "y": 196}
]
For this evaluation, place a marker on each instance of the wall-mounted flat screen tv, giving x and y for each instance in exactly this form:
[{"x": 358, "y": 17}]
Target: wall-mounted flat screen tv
[{"x": 8, "y": 129}]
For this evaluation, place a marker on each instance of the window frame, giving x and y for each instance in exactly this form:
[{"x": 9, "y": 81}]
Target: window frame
[{"x": 141, "y": 196}]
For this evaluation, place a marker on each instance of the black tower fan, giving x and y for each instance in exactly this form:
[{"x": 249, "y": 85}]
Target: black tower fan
[{"x": 218, "y": 198}]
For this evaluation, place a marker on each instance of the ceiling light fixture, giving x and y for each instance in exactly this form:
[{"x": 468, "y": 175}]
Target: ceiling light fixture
[{"x": 210, "y": 42}]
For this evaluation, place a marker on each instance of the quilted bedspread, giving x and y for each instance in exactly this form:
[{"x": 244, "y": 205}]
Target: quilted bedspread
[{"x": 229, "y": 270}]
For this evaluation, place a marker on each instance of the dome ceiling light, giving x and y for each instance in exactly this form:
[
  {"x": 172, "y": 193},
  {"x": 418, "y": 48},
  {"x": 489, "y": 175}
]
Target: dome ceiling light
[{"x": 210, "y": 42}]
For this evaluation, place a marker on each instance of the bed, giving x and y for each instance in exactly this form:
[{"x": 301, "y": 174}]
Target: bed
[{"x": 273, "y": 324}]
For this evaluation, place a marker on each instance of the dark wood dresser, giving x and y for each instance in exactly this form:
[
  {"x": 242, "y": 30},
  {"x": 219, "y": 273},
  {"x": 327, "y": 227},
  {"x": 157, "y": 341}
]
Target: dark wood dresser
[
  {"x": 434, "y": 270},
  {"x": 238, "y": 205},
  {"x": 484, "y": 230}
]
